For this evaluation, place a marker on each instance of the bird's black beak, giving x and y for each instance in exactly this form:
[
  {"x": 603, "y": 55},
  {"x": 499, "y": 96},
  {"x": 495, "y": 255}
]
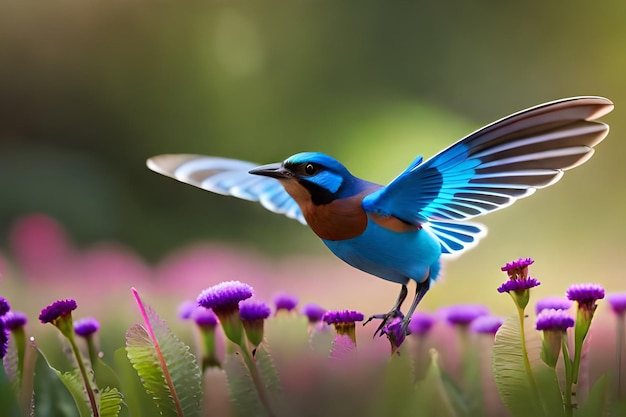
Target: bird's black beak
[{"x": 276, "y": 170}]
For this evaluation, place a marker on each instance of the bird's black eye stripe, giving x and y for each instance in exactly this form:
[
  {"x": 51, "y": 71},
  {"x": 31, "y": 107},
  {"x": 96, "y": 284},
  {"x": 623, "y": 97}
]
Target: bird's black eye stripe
[{"x": 303, "y": 168}]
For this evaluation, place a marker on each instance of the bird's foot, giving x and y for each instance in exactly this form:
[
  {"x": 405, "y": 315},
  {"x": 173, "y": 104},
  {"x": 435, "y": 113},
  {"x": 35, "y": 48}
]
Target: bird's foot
[{"x": 386, "y": 319}]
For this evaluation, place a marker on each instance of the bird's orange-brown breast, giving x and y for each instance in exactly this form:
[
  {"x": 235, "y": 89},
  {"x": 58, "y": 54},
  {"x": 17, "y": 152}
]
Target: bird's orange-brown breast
[{"x": 338, "y": 220}]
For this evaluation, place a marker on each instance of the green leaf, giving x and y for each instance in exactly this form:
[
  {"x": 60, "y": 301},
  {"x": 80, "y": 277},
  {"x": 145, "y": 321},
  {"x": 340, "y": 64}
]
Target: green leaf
[
  {"x": 105, "y": 376},
  {"x": 52, "y": 398},
  {"x": 510, "y": 372},
  {"x": 549, "y": 389},
  {"x": 396, "y": 387},
  {"x": 31, "y": 356},
  {"x": 321, "y": 341},
  {"x": 169, "y": 372},
  {"x": 472, "y": 385},
  {"x": 75, "y": 385},
  {"x": 242, "y": 391},
  {"x": 618, "y": 408},
  {"x": 271, "y": 380},
  {"x": 19, "y": 364},
  {"x": 110, "y": 402},
  {"x": 457, "y": 399},
  {"x": 8, "y": 399},
  {"x": 287, "y": 335},
  {"x": 138, "y": 402},
  {"x": 597, "y": 403},
  {"x": 431, "y": 397}
]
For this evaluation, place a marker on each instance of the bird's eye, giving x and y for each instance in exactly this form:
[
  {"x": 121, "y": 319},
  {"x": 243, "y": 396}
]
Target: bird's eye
[{"x": 310, "y": 169}]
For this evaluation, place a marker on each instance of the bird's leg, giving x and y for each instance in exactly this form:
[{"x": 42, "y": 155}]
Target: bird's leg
[
  {"x": 394, "y": 312},
  {"x": 420, "y": 291}
]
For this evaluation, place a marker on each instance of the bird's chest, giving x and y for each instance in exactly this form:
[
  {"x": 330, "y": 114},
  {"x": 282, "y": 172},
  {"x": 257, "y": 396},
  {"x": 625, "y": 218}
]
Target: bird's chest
[{"x": 338, "y": 220}]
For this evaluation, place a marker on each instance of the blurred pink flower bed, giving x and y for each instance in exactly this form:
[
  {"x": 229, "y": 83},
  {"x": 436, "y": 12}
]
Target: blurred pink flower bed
[{"x": 44, "y": 265}]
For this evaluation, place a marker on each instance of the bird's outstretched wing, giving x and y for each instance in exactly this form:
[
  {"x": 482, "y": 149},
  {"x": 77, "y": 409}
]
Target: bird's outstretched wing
[
  {"x": 496, "y": 165},
  {"x": 228, "y": 177}
]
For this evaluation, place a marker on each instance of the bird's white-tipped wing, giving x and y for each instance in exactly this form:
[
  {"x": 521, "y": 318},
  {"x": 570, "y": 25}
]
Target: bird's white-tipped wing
[
  {"x": 455, "y": 237},
  {"x": 228, "y": 177}
]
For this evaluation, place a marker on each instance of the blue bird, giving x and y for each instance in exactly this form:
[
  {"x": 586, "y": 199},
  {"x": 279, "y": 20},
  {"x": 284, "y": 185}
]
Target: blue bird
[{"x": 400, "y": 232}]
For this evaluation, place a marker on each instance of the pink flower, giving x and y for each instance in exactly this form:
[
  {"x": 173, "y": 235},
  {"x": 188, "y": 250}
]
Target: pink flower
[{"x": 41, "y": 247}]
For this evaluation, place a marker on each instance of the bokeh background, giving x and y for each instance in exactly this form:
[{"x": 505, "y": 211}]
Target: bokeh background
[{"x": 89, "y": 90}]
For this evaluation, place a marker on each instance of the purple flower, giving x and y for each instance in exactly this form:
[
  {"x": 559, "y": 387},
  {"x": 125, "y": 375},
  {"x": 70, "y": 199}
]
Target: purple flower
[
  {"x": 554, "y": 320},
  {"x": 518, "y": 269},
  {"x": 4, "y": 306},
  {"x": 251, "y": 310},
  {"x": 586, "y": 295},
  {"x": 617, "y": 302},
  {"x": 186, "y": 309},
  {"x": 56, "y": 310},
  {"x": 285, "y": 302},
  {"x": 204, "y": 317},
  {"x": 4, "y": 340},
  {"x": 224, "y": 299},
  {"x": 253, "y": 314},
  {"x": 86, "y": 327},
  {"x": 464, "y": 314},
  {"x": 421, "y": 323},
  {"x": 342, "y": 316},
  {"x": 343, "y": 321},
  {"x": 206, "y": 320},
  {"x": 313, "y": 312},
  {"x": 395, "y": 333},
  {"x": 554, "y": 324},
  {"x": 15, "y": 320},
  {"x": 486, "y": 324},
  {"x": 224, "y": 296},
  {"x": 556, "y": 303},
  {"x": 518, "y": 285}
]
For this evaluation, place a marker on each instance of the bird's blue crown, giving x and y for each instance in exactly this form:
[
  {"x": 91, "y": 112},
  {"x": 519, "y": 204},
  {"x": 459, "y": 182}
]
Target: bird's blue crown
[
  {"x": 321, "y": 159},
  {"x": 325, "y": 177}
]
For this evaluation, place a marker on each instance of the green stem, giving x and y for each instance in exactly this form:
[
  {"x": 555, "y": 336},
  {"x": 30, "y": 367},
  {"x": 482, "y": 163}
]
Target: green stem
[
  {"x": 92, "y": 351},
  {"x": 576, "y": 365},
  {"x": 529, "y": 371},
  {"x": 83, "y": 372},
  {"x": 209, "y": 358},
  {"x": 567, "y": 396},
  {"x": 583, "y": 322},
  {"x": 256, "y": 379}
]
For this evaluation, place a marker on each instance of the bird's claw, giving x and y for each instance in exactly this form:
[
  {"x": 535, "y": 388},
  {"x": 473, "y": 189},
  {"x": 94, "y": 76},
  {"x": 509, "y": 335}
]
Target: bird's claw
[{"x": 386, "y": 318}]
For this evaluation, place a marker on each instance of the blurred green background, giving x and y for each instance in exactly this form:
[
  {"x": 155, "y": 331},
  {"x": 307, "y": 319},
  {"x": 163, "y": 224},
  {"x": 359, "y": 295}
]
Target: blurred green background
[{"x": 89, "y": 90}]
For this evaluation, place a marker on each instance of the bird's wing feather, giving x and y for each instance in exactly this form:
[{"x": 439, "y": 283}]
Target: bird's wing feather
[
  {"x": 496, "y": 165},
  {"x": 228, "y": 177},
  {"x": 456, "y": 237}
]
